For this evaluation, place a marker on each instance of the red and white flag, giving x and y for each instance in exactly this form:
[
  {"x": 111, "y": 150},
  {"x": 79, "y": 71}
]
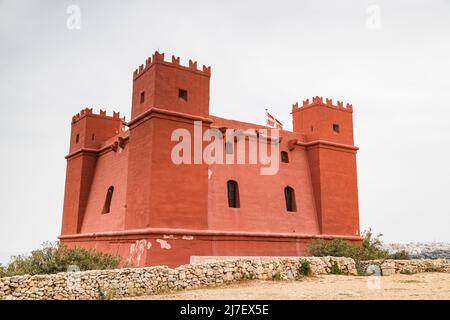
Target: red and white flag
[{"x": 273, "y": 122}]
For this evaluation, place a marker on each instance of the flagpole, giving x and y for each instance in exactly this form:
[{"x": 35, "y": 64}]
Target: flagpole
[{"x": 266, "y": 116}]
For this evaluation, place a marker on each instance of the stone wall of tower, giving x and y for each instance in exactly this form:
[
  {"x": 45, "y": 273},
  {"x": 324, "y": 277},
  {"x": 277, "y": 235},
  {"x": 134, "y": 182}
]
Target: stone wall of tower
[
  {"x": 328, "y": 130},
  {"x": 89, "y": 131},
  {"x": 161, "y": 193},
  {"x": 159, "y": 84}
]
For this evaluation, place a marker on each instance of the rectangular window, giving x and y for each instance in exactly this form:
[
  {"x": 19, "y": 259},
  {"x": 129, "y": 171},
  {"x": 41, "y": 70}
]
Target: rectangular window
[
  {"x": 336, "y": 128},
  {"x": 233, "y": 194},
  {"x": 284, "y": 157},
  {"x": 108, "y": 199},
  {"x": 289, "y": 196},
  {"x": 142, "y": 97},
  {"x": 183, "y": 94}
]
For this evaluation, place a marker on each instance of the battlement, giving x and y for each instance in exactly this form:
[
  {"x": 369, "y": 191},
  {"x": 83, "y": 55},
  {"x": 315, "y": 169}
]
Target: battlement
[
  {"x": 102, "y": 114},
  {"x": 318, "y": 101},
  {"x": 158, "y": 58}
]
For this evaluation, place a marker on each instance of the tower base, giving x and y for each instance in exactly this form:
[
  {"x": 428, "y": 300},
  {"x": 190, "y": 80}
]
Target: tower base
[{"x": 174, "y": 247}]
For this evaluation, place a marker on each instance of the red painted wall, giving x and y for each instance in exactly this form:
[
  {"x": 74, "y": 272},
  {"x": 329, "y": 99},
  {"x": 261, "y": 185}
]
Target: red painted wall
[
  {"x": 161, "y": 193},
  {"x": 111, "y": 170},
  {"x": 262, "y": 203}
]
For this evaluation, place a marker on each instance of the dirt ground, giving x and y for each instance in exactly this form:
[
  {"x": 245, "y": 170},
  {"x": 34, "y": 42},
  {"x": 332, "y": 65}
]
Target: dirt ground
[{"x": 399, "y": 286}]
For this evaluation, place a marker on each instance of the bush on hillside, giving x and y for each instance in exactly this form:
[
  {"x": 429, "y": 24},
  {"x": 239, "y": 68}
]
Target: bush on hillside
[
  {"x": 370, "y": 249},
  {"x": 2, "y": 271},
  {"x": 57, "y": 257}
]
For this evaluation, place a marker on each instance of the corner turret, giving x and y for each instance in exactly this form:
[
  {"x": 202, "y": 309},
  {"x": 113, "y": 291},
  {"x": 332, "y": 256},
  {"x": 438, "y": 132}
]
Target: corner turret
[
  {"x": 319, "y": 120},
  {"x": 170, "y": 86},
  {"x": 91, "y": 130}
]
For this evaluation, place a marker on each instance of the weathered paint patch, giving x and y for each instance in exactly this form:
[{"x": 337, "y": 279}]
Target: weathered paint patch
[
  {"x": 188, "y": 238},
  {"x": 137, "y": 251},
  {"x": 164, "y": 244},
  {"x": 171, "y": 236}
]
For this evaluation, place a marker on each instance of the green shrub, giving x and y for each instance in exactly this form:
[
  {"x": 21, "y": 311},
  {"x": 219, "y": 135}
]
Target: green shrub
[
  {"x": 334, "y": 248},
  {"x": 370, "y": 249},
  {"x": 305, "y": 268},
  {"x": 2, "y": 271},
  {"x": 57, "y": 257},
  {"x": 400, "y": 255},
  {"x": 335, "y": 268}
]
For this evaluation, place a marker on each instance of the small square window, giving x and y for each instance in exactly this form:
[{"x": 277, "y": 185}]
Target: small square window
[
  {"x": 284, "y": 157},
  {"x": 336, "y": 128},
  {"x": 142, "y": 97},
  {"x": 183, "y": 94}
]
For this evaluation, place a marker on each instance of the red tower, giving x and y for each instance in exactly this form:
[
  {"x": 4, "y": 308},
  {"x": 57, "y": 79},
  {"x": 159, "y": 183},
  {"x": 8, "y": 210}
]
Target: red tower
[
  {"x": 166, "y": 97},
  {"x": 170, "y": 86},
  {"x": 328, "y": 131},
  {"x": 89, "y": 131},
  {"x": 125, "y": 194}
]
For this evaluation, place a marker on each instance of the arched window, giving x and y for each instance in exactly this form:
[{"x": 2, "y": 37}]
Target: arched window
[
  {"x": 289, "y": 196},
  {"x": 109, "y": 194},
  {"x": 284, "y": 157},
  {"x": 233, "y": 194}
]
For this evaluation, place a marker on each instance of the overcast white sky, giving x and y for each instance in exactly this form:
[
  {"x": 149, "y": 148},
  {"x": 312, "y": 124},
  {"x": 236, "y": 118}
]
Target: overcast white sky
[{"x": 263, "y": 54}]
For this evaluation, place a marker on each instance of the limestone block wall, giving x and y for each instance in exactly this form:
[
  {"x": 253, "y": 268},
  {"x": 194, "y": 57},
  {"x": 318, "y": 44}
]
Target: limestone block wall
[
  {"x": 151, "y": 280},
  {"x": 389, "y": 267}
]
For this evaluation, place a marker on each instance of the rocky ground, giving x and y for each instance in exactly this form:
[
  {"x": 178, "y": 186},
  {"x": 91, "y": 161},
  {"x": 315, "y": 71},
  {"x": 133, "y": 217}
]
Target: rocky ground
[
  {"x": 399, "y": 286},
  {"x": 424, "y": 250}
]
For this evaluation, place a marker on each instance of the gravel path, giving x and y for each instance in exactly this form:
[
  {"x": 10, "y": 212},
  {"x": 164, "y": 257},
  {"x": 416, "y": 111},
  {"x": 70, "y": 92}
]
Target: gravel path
[{"x": 399, "y": 286}]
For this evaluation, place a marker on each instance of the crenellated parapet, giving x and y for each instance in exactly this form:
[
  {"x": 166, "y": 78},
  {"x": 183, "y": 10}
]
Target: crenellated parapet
[
  {"x": 158, "y": 58},
  {"x": 102, "y": 114},
  {"x": 318, "y": 101}
]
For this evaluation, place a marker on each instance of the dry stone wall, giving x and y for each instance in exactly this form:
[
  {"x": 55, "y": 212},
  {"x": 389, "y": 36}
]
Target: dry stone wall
[
  {"x": 389, "y": 267},
  {"x": 151, "y": 280}
]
